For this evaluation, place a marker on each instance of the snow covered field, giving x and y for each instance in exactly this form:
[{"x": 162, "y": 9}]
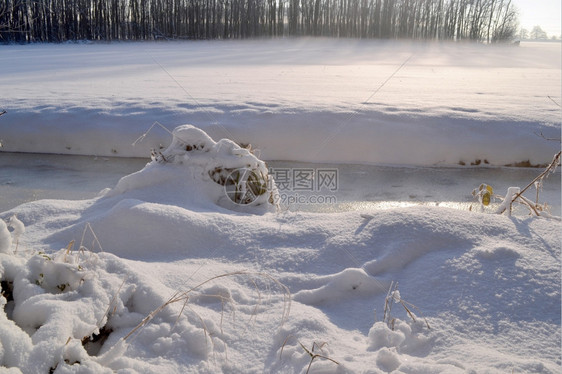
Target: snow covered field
[
  {"x": 344, "y": 101},
  {"x": 86, "y": 275}
]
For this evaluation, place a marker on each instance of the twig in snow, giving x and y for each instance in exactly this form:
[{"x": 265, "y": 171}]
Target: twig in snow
[
  {"x": 314, "y": 356},
  {"x": 393, "y": 297},
  {"x": 310, "y": 352},
  {"x": 141, "y": 138},
  {"x": 88, "y": 227},
  {"x": 549, "y": 169},
  {"x": 549, "y": 139},
  {"x": 183, "y": 297},
  {"x": 551, "y": 99}
]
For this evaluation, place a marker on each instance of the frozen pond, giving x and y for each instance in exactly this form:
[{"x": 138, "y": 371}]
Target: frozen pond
[{"x": 27, "y": 177}]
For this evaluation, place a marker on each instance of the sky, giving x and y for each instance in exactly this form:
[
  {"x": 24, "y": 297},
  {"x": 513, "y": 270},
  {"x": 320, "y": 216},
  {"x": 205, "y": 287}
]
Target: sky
[{"x": 545, "y": 13}]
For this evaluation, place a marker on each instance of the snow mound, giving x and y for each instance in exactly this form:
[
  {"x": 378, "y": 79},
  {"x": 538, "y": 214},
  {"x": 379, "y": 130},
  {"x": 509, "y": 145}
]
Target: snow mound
[
  {"x": 196, "y": 169},
  {"x": 84, "y": 312},
  {"x": 487, "y": 284},
  {"x": 72, "y": 311},
  {"x": 5, "y": 238},
  {"x": 346, "y": 284},
  {"x": 405, "y": 337}
]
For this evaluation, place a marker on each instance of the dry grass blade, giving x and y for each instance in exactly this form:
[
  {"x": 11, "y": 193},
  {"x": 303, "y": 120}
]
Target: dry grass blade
[
  {"x": 205, "y": 328},
  {"x": 111, "y": 302},
  {"x": 141, "y": 138},
  {"x": 69, "y": 249},
  {"x": 551, "y": 168},
  {"x": 285, "y": 343},
  {"x": 320, "y": 346},
  {"x": 392, "y": 297},
  {"x": 529, "y": 204},
  {"x": 388, "y": 301},
  {"x": 314, "y": 356},
  {"x": 404, "y": 303},
  {"x": 408, "y": 311},
  {"x": 320, "y": 356},
  {"x": 152, "y": 314},
  {"x": 183, "y": 296},
  {"x": 554, "y": 101},
  {"x": 95, "y": 239}
]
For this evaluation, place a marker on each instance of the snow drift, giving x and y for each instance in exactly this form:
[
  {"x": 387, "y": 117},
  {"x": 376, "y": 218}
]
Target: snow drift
[{"x": 87, "y": 273}]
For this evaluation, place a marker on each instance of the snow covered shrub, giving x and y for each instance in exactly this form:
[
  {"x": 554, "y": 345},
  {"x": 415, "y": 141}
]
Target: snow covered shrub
[
  {"x": 18, "y": 228},
  {"x": 244, "y": 179},
  {"x": 484, "y": 194},
  {"x": 5, "y": 238},
  {"x": 8, "y": 238},
  {"x": 242, "y": 185},
  {"x": 60, "y": 272},
  {"x": 68, "y": 312}
]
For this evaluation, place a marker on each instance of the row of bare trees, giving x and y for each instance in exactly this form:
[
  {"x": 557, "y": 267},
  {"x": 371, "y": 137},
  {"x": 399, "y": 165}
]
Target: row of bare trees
[{"x": 63, "y": 20}]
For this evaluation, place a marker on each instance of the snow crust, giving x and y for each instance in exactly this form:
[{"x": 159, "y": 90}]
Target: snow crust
[{"x": 345, "y": 101}]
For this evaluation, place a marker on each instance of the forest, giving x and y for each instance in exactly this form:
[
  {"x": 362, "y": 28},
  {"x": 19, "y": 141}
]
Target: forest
[{"x": 27, "y": 21}]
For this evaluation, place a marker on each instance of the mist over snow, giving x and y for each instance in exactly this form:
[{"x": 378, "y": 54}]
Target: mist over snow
[
  {"x": 319, "y": 100},
  {"x": 189, "y": 265}
]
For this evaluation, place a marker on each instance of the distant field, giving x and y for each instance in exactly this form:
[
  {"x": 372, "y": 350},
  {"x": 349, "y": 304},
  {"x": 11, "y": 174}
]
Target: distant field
[{"x": 313, "y": 100}]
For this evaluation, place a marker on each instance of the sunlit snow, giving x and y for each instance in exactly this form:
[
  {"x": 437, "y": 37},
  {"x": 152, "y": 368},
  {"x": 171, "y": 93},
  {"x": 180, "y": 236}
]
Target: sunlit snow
[{"x": 161, "y": 270}]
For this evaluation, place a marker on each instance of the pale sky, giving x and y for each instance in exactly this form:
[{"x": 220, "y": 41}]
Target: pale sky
[{"x": 545, "y": 13}]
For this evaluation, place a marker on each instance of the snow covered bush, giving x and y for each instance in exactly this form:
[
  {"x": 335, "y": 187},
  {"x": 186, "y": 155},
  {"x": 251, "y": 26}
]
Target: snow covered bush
[
  {"x": 8, "y": 238},
  {"x": 485, "y": 194},
  {"x": 78, "y": 311},
  {"x": 227, "y": 174},
  {"x": 18, "y": 228},
  {"x": 5, "y": 238}
]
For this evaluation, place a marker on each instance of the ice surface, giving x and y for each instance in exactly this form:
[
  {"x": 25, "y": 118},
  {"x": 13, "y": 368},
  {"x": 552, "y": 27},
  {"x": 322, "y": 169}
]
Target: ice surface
[{"x": 30, "y": 177}]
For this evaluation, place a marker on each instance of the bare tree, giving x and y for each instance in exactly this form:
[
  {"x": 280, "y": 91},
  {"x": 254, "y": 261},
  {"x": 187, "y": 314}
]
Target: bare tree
[{"x": 538, "y": 33}]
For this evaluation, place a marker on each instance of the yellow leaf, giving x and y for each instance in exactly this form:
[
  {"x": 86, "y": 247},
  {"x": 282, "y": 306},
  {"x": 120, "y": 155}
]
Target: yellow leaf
[{"x": 486, "y": 196}]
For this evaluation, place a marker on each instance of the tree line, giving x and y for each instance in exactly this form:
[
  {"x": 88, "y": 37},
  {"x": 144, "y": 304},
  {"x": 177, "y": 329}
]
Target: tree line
[{"x": 24, "y": 21}]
